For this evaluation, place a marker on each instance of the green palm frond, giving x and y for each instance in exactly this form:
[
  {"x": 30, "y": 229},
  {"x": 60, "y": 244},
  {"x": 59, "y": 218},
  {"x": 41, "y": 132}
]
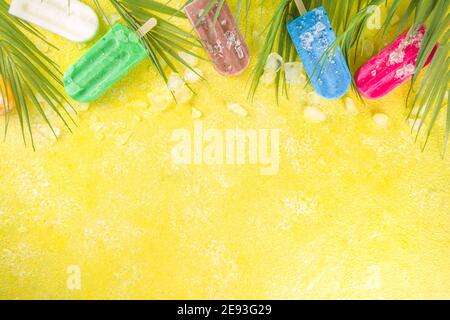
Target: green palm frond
[
  {"x": 166, "y": 40},
  {"x": 349, "y": 19},
  {"x": 284, "y": 46},
  {"x": 35, "y": 80},
  {"x": 434, "y": 86},
  {"x": 430, "y": 97},
  {"x": 243, "y": 8}
]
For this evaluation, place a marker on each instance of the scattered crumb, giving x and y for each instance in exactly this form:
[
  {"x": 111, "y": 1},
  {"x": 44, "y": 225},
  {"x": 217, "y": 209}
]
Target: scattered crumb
[
  {"x": 268, "y": 77},
  {"x": 189, "y": 59},
  {"x": 315, "y": 115},
  {"x": 175, "y": 81},
  {"x": 191, "y": 76},
  {"x": 294, "y": 73},
  {"x": 350, "y": 106},
  {"x": 113, "y": 18},
  {"x": 274, "y": 63},
  {"x": 82, "y": 106},
  {"x": 196, "y": 114},
  {"x": 237, "y": 109},
  {"x": 160, "y": 100},
  {"x": 183, "y": 94},
  {"x": 381, "y": 120},
  {"x": 140, "y": 104}
]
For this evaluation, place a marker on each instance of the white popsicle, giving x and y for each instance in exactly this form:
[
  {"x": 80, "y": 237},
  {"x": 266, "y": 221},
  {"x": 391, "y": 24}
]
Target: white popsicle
[{"x": 72, "y": 19}]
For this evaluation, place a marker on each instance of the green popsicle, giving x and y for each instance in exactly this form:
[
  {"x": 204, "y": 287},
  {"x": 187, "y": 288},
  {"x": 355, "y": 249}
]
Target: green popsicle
[{"x": 109, "y": 60}]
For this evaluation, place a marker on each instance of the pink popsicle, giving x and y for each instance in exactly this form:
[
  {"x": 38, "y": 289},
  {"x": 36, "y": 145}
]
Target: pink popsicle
[
  {"x": 222, "y": 40},
  {"x": 393, "y": 66}
]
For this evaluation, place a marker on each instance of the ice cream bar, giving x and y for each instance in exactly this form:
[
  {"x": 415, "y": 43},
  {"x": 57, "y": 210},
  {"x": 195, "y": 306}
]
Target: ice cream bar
[
  {"x": 70, "y": 19},
  {"x": 312, "y": 34},
  {"x": 393, "y": 66},
  {"x": 221, "y": 38},
  {"x": 109, "y": 60}
]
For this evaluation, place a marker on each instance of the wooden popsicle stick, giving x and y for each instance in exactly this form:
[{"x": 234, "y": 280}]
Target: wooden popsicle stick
[
  {"x": 301, "y": 7},
  {"x": 147, "y": 27}
]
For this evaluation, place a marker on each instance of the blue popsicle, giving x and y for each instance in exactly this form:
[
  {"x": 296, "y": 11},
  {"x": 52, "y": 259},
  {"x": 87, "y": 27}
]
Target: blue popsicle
[{"x": 312, "y": 34}]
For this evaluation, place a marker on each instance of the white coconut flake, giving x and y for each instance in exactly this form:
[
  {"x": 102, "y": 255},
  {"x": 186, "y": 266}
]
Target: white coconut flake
[
  {"x": 57, "y": 131},
  {"x": 160, "y": 101},
  {"x": 113, "y": 18},
  {"x": 294, "y": 73},
  {"x": 350, "y": 106},
  {"x": 82, "y": 106},
  {"x": 175, "y": 81},
  {"x": 189, "y": 59},
  {"x": 381, "y": 120},
  {"x": 196, "y": 114},
  {"x": 191, "y": 76},
  {"x": 274, "y": 63},
  {"x": 140, "y": 104},
  {"x": 314, "y": 115},
  {"x": 268, "y": 77},
  {"x": 237, "y": 109},
  {"x": 183, "y": 94}
]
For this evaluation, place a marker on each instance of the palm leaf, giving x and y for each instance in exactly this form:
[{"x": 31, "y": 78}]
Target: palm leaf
[
  {"x": 30, "y": 74},
  {"x": 275, "y": 27},
  {"x": 349, "y": 19},
  {"x": 35, "y": 80},
  {"x": 431, "y": 94}
]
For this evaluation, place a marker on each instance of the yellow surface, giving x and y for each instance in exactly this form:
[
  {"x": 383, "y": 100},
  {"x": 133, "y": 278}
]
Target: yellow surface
[{"x": 355, "y": 211}]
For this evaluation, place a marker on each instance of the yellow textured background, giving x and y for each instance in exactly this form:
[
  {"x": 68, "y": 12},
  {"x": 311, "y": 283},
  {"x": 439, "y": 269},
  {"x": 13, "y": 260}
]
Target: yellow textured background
[{"x": 355, "y": 211}]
